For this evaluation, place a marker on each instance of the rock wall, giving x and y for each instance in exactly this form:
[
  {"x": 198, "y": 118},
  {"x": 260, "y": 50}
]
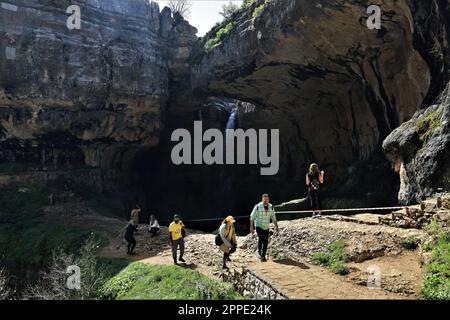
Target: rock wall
[
  {"x": 253, "y": 287},
  {"x": 420, "y": 148},
  {"x": 74, "y": 94},
  {"x": 110, "y": 94},
  {"x": 334, "y": 88}
]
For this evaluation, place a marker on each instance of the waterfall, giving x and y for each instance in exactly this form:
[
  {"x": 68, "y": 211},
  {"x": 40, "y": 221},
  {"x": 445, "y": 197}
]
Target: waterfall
[{"x": 231, "y": 124}]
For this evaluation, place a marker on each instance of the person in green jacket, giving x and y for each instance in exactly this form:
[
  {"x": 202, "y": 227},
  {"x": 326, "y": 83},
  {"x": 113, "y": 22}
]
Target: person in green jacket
[{"x": 262, "y": 215}]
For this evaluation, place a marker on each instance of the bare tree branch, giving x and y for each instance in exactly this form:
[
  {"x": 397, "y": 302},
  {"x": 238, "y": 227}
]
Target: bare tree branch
[{"x": 183, "y": 7}]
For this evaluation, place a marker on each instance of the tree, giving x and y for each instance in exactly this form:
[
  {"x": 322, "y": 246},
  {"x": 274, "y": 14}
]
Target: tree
[
  {"x": 5, "y": 292},
  {"x": 228, "y": 10},
  {"x": 52, "y": 284},
  {"x": 182, "y": 7}
]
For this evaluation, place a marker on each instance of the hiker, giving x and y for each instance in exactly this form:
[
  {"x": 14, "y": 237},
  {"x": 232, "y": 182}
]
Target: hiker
[
  {"x": 153, "y": 226},
  {"x": 226, "y": 239},
  {"x": 260, "y": 218},
  {"x": 129, "y": 236},
  {"x": 135, "y": 215},
  {"x": 176, "y": 233},
  {"x": 314, "y": 179}
]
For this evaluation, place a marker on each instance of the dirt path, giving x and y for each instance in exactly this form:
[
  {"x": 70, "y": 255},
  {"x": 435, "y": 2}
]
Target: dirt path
[
  {"x": 313, "y": 282},
  {"x": 295, "y": 277}
]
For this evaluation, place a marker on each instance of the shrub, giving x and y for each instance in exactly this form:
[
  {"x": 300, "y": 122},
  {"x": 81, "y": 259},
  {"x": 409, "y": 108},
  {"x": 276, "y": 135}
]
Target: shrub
[
  {"x": 410, "y": 243},
  {"x": 5, "y": 291},
  {"x": 428, "y": 125},
  {"x": 338, "y": 267},
  {"x": 52, "y": 283},
  {"x": 321, "y": 258},
  {"x": 220, "y": 35},
  {"x": 335, "y": 257}
]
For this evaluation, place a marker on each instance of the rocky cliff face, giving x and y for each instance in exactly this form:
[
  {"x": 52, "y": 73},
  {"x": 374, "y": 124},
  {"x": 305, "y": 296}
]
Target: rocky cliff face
[
  {"x": 420, "y": 147},
  {"x": 110, "y": 94},
  {"x": 88, "y": 95},
  {"x": 333, "y": 87}
]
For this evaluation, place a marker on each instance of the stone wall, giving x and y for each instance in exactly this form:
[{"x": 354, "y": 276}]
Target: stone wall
[
  {"x": 252, "y": 286},
  {"x": 419, "y": 216}
]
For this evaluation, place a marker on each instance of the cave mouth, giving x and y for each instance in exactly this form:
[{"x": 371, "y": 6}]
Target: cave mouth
[
  {"x": 204, "y": 194},
  {"x": 201, "y": 191}
]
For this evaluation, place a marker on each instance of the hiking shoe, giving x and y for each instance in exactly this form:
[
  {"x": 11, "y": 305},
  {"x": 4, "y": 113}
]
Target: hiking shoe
[
  {"x": 224, "y": 267},
  {"x": 182, "y": 260},
  {"x": 263, "y": 259},
  {"x": 228, "y": 259}
]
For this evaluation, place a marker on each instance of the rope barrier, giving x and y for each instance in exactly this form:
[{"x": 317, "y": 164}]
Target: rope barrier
[{"x": 308, "y": 212}]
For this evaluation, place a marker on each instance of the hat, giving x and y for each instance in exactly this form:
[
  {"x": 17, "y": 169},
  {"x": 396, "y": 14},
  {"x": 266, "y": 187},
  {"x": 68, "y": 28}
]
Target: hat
[{"x": 230, "y": 219}]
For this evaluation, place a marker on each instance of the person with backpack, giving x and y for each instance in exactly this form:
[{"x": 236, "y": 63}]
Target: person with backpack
[
  {"x": 262, "y": 214},
  {"x": 129, "y": 236},
  {"x": 226, "y": 240},
  {"x": 177, "y": 234},
  {"x": 314, "y": 179}
]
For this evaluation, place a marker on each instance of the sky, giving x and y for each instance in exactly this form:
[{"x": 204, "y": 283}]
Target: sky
[{"x": 204, "y": 13}]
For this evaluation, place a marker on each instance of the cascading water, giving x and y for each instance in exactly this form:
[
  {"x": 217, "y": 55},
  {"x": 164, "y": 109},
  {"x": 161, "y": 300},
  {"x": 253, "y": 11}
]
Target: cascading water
[{"x": 231, "y": 124}]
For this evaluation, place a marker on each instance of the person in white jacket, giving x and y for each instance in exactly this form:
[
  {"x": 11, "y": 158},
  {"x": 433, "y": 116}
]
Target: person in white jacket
[
  {"x": 228, "y": 235},
  {"x": 153, "y": 227}
]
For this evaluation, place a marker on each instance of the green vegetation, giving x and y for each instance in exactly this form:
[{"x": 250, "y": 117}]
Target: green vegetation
[
  {"x": 94, "y": 272},
  {"x": 259, "y": 10},
  {"x": 410, "y": 243},
  {"x": 26, "y": 239},
  {"x": 321, "y": 258},
  {"x": 436, "y": 284},
  {"x": 220, "y": 35},
  {"x": 334, "y": 258},
  {"x": 428, "y": 125},
  {"x": 28, "y": 39},
  {"x": 141, "y": 281}
]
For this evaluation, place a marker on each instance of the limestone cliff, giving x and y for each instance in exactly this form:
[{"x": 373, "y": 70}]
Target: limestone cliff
[
  {"x": 85, "y": 96},
  {"x": 109, "y": 95}
]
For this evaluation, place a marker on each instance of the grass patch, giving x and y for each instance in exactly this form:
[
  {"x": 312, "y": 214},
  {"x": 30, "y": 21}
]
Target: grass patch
[
  {"x": 428, "y": 125},
  {"x": 151, "y": 282},
  {"x": 334, "y": 258},
  {"x": 436, "y": 285}
]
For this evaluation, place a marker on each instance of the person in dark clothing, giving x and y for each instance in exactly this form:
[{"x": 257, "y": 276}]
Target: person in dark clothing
[
  {"x": 314, "y": 179},
  {"x": 129, "y": 237}
]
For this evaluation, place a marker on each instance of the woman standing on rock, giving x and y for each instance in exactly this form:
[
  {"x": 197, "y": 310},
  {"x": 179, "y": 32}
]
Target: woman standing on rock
[
  {"x": 314, "y": 179},
  {"x": 227, "y": 234}
]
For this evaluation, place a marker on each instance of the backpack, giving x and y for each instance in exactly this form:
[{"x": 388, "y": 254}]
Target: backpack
[
  {"x": 314, "y": 183},
  {"x": 218, "y": 239}
]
